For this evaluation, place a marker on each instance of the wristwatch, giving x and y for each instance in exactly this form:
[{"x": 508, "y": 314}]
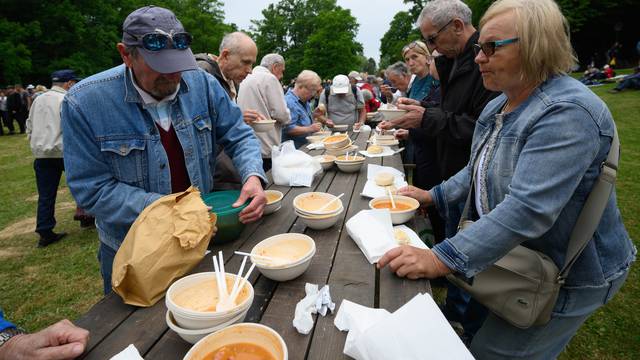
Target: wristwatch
[{"x": 8, "y": 333}]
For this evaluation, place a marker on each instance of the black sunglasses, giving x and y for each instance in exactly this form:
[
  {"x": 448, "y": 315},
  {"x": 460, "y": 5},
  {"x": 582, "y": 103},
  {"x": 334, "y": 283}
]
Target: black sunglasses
[
  {"x": 431, "y": 39},
  {"x": 157, "y": 41},
  {"x": 489, "y": 47}
]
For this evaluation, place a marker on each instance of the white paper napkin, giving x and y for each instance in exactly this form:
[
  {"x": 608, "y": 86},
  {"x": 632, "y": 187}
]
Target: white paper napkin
[
  {"x": 315, "y": 302},
  {"x": 373, "y": 233},
  {"x": 372, "y": 190},
  {"x": 129, "y": 353},
  {"x": 386, "y": 151},
  {"x": 419, "y": 329}
]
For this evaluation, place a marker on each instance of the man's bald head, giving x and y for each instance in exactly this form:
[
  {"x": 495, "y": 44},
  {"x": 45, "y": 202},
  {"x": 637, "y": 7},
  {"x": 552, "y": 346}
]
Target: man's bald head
[{"x": 237, "y": 55}]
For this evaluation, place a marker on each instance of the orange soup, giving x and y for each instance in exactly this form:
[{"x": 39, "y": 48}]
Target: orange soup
[
  {"x": 400, "y": 206},
  {"x": 337, "y": 138},
  {"x": 240, "y": 351},
  {"x": 271, "y": 197}
]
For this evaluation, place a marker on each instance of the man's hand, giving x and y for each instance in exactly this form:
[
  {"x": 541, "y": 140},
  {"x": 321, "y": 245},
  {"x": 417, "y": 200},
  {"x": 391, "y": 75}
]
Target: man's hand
[
  {"x": 402, "y": 134},
  {"x": 413, "y": 263},
  {"x": 251, "y": 189},
  {"x": 423, "y": 196},
  {"x": 329, "y": 123},
  {"x": 412, "y": 119},
  {"x": 315, "y": 127},
  {"x": 386, "y": 91},
  {"x": 386, "y": 125},
  {"x": 251, "y": 116},
  {"x": 407, "y": 101},
  {"x": 357, "y": 126},
  {"x": 63, "y": 340}
]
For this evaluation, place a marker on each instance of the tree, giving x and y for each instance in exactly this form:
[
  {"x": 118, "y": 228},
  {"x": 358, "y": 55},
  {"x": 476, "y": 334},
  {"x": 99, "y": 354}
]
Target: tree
[
  {"x": 401, "y": 32},
  {"x": 370, "y": 67},
  {"x": 314, "y": 34}
]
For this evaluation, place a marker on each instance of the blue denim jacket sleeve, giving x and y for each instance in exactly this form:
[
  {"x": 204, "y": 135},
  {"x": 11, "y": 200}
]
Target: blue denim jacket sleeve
[
  {"x": 4, "y": 324},
  {"x": 94, "y": 188},
  {"x": 238, "y": 138},
  {"x": 559, "y": 148}
]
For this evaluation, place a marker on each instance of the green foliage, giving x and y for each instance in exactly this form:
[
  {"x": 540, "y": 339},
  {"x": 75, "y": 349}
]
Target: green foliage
[
  {"x": 315, "y": 34},
  {"x": 370, "y": 67},
  {"x": 42, "y": 36},
  {"x": 401, "y": 31}
]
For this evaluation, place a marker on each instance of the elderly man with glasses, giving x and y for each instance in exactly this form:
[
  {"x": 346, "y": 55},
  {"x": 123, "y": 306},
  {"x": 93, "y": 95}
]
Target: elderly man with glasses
[
  {"x": 150, "y": 127},
  {"x": 446, "y": 27}
]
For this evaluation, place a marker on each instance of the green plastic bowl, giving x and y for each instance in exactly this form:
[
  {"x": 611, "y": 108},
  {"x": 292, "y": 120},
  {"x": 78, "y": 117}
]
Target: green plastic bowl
[{"x": 229, "y": 226}]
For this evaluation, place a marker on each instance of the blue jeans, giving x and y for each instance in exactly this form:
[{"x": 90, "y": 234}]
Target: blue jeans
[
  {"x": 48, "y": 173},
  {"x": 497, "y": 339},
  {"x": 106, "y": 256}
]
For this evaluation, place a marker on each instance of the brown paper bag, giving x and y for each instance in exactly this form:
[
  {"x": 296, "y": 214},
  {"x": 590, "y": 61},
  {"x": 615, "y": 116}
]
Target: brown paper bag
[{"x": 165, "y": 242}]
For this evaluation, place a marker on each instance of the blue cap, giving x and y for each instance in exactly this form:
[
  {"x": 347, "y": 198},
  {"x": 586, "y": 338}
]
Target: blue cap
[
  {"x": 64, "y": 76},
  {"x": 150, "y": 19}
]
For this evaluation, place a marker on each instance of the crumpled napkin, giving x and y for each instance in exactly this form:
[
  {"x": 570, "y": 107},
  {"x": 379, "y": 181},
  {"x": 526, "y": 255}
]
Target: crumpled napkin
[
  {"x": 316, "y": 302},
  {"x": 416, "y": 329},
  {"x": 129, "y": 353}
]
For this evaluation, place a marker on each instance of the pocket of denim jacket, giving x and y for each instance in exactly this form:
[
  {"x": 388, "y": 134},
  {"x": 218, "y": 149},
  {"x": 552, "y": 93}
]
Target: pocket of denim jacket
[
  {"x": 506, "y": 156},
  {"x": 127, "y": 158},
  {"x": 204, "y": 127}
]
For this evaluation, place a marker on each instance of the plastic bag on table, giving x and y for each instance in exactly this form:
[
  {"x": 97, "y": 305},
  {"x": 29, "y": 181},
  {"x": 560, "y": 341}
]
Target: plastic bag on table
[{"x": 291, "y": 167}]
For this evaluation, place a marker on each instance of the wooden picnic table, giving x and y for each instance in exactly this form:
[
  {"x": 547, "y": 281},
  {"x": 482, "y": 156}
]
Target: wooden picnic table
[{"x": 338, "y": 262}]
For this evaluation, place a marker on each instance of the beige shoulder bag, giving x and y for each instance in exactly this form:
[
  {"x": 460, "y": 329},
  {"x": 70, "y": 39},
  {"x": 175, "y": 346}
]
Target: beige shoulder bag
[{"x": 523, "y": 286}]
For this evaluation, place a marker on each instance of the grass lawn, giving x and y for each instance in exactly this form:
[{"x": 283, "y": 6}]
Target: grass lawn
[{"x": 40, "y": 286}]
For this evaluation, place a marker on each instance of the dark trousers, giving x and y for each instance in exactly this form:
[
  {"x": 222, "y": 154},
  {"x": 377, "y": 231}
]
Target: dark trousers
[
  {"x": 266, "y": 164},
  {"x": 7, "y": 118},
  {"x": 21, "y": 118},
  {"x": 48, "y": 174},
  {"x": 106, "y": 255},
  {"x": 4, "y": 118}
]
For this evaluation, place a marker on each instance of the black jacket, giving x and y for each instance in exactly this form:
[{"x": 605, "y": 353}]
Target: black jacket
[{"x": 463, "y": 99}]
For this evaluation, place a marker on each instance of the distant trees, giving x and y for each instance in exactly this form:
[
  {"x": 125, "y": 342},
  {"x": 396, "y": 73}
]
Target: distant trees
[
  {"x": 41, "y": 36},
  {"x": 313, "y": 34}
]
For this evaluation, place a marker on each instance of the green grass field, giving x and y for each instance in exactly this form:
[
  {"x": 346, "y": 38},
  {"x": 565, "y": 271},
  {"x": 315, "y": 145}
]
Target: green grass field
[{"x": 40, "y": 286}]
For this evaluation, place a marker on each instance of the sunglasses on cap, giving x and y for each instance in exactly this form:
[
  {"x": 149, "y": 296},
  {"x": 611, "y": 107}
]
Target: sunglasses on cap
[
  {"x": 489, "y": 47},
  {"x": 159, "y": 40}
]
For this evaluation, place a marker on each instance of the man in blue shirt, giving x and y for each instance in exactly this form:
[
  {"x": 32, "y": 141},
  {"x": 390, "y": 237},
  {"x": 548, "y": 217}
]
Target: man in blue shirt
[
  {"x": 148, "y": 128},
  {"x": 307, "y": 86}
]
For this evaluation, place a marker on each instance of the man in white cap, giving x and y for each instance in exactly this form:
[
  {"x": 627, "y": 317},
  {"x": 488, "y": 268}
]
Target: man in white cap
[
  {"x": 148, "y": 128},
  {"x": 344, "y": 103}
]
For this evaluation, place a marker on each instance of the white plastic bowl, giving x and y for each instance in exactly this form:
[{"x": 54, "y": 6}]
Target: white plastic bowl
[
  {"x": 311, "y": 212},
  {"x": 326, "y": 161},
  {"x": 398, "y": 217},
  {"x": 320, "y": 222},
  {"x": 288, "y": 271},
  {"x": 349, "y": 166},
  {"x": 313, "y": 139},
  {"x": 340, "y": 127},
  {"x": 191, "y": 319},
  {"x": 257, "y": 334},
  {"x": 335, "y": 142},
  {"x": 337, "y": 152},
  {"x": 193, "y": 336},
  {"x": 263, "y": 125},
  {"x": 274, "y": 205},
  {"x": 391, "y": 114}
]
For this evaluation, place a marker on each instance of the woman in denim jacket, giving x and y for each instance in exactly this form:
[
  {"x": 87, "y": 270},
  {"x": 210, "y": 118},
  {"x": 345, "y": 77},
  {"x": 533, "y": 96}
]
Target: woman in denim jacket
[{"x": 539, "y": 148}]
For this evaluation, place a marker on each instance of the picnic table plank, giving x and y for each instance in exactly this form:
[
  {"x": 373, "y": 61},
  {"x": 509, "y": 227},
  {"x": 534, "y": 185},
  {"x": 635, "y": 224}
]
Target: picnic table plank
[{"x": 103, "y": 317}]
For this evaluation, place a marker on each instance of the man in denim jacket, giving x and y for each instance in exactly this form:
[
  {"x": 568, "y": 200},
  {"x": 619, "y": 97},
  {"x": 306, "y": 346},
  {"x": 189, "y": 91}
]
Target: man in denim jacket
[{"x": 148, "y": 128}]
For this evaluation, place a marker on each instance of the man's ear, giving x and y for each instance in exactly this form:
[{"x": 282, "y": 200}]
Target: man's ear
[
  {"x": 224, "y": 55},
  {"x": 126, "y": 57},
  {"x": 458, "y": 26}
]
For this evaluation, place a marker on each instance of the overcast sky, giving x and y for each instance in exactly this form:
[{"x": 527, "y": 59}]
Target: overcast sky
[{"x": 373, "y": 16}]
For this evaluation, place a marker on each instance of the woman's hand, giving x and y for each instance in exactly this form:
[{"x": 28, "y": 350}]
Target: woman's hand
[
  {"x": 423, "y": 196},
  {"x": 413, "y": 263}
]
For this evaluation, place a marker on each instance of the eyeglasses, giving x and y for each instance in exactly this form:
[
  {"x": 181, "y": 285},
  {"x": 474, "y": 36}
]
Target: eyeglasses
[
  {"x": 159, "y": 40},
  {"x": 431, "y": 39},
  {"x": 489, "y": 47}
]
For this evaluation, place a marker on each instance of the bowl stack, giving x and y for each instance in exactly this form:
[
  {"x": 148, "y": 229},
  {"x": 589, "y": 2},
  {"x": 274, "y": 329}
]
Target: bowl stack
[
  {"x": 349, "y": 163},
  {"x": 292, "y": 253},
  {"x": 343, "y": 127},
  {"x": 191, "y": 304},
  {"x": 307, "y": 207},
  {"x": 338, "y": 144}
]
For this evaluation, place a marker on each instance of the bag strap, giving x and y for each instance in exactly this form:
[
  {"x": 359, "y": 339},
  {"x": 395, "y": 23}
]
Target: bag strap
[{"x": 591, "y": 213}]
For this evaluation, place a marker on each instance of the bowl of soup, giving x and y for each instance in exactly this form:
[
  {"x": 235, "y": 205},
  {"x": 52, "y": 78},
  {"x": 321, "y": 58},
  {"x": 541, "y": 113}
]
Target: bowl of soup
[
  {"x": 311, "y": 203},
  {"x": 320, "y": 222},
  {"x": 290, "y": 254},
  {"x": 244, "y": 341},
  {"x": 263, "y": 125},
  {"x": 193, "y": 300},
  {"x": 349, "y": 163},
  {"x": 192, "y": 336},
  {"x": 404, "y": 211},
  {"x": 274, "y": 201},
  {"x": 347, "y": 149},
  {"x": 326, "y": 161},
  {"x": 336, "y": 141}
]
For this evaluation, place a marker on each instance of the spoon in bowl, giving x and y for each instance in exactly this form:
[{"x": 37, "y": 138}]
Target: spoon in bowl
[{"x": 323, "y": 207}]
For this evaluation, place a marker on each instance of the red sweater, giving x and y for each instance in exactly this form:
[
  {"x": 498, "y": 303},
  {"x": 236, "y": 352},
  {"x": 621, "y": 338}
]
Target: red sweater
[{"x": 179, "y": 174}]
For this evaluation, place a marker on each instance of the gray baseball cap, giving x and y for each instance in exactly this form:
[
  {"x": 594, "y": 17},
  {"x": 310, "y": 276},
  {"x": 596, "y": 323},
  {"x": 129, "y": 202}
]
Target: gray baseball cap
[{"x": 153, "y": 19}]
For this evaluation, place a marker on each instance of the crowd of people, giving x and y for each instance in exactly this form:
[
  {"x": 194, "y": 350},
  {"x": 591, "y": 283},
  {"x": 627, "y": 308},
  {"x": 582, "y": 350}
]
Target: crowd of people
[{"x": 492, "y": 116}]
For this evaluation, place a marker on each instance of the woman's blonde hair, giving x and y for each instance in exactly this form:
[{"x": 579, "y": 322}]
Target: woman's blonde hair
[
  {"x": 417, "y": 46},
  {"x": 543, "y": 32}
]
